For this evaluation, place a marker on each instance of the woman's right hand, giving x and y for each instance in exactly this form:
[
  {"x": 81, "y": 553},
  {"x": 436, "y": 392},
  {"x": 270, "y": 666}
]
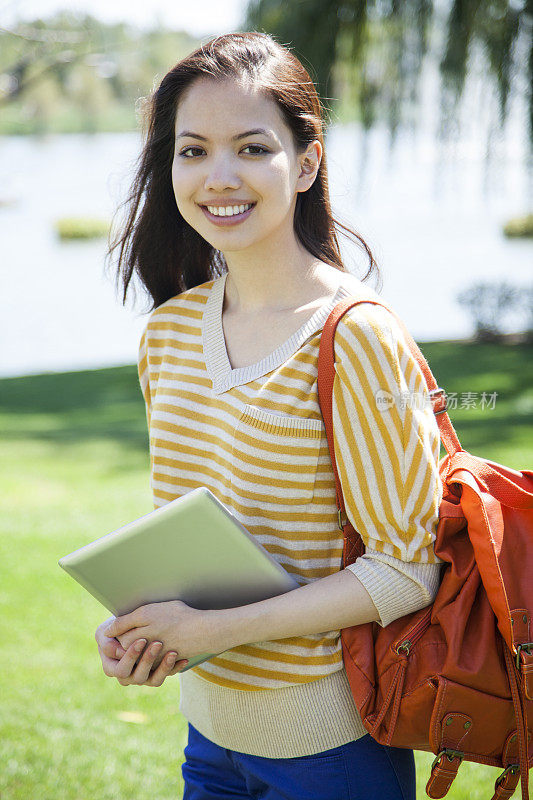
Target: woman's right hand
[{"x": 132, "y": 666}]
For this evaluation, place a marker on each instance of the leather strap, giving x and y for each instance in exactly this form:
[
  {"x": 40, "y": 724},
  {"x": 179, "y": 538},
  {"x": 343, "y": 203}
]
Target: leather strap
[
  {"x": 443, "y": 773},
  {"x": 506, "y": 783},
  {"x": 521, "y": 625},
  {"x": 521, "y": 723},
  {"x": 395, "y": 692},
  {"x": 526, "y": 673}
]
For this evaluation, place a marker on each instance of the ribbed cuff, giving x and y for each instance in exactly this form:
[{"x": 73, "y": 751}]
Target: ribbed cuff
[{"x": 396, "y": 587}]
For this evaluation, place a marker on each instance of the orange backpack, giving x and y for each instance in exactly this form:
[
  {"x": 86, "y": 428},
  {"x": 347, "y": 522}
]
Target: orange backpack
[{"x": 455, "y": 678}]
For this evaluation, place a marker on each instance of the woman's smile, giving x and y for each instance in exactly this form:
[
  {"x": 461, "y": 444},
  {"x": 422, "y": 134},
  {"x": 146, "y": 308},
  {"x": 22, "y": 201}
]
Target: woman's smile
[{"x": 225, "y": 219}]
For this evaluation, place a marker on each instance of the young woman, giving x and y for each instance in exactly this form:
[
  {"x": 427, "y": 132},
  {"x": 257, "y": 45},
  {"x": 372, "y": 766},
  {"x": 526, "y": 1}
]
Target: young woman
[{"x": 232, "y": 234}]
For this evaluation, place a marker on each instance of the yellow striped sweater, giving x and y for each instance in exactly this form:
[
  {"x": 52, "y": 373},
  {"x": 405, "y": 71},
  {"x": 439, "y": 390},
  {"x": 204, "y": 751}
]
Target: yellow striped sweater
[{"x": 255, "y": 437}]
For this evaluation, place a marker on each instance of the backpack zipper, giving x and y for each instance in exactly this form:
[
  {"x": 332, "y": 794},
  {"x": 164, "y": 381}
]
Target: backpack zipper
[{"x": 405, "y": 644}]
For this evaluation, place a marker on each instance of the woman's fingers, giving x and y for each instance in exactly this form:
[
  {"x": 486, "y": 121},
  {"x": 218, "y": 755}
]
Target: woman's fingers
[
  {"x": 112, "y": 648},
  {"x": 124, "y": 667},
  {"x": 100, "y": 631},
  {"x": 162, "y": 671},
  {"x": 138, "y": 674},
  {"x": 170, "y": 665},
  {"x": 132, "y": 666},
  {"x": 144, "y": 666},
  {"x": 145, "y": 673},
  {"x": 127, "y": 639},
  {"x": 181, "y": 664},
  {"x": 109, "y": 665},
  {"x": 126, "y": 622}
]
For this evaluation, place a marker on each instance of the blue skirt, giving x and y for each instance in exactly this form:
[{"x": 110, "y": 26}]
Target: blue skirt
[{"x": 359, "y": 770}]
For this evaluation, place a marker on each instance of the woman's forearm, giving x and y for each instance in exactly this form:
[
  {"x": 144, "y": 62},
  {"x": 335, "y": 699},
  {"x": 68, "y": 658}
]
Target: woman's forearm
[{"x": 332, "y": 603}]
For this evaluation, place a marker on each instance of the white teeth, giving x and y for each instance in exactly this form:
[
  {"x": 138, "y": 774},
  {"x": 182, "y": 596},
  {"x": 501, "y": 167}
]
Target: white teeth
[{"x": 228, "y": 211}]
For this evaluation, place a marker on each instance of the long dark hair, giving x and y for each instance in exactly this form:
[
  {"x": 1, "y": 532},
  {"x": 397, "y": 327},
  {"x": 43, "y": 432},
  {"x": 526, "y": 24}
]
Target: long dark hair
[{"x": 155, "y": 242}]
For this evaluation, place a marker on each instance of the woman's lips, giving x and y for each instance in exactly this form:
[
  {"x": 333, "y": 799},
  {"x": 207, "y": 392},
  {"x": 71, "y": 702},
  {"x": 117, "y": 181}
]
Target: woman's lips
[{"x": 223, "y": 221}]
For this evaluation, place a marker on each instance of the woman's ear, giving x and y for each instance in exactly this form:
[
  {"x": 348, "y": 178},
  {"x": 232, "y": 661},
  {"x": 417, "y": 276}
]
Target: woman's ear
[{"x": 309, "y": 165}]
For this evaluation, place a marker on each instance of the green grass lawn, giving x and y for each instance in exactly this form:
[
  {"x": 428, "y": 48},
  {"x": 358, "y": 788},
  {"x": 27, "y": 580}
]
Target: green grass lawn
[{"x": 74, "y": 465}]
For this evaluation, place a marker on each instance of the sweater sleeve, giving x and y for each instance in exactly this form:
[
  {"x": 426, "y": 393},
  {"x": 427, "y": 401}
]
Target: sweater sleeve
[
  {"x": 143, "y": 370},
  {"x": 387, "y": 446}
]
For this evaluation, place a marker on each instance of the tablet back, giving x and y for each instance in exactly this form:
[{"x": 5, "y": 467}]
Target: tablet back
[{"x": 191, "y": 549}]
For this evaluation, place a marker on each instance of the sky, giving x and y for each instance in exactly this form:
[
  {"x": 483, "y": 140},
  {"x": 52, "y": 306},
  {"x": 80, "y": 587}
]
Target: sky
[{"x": 198, "y": 17}]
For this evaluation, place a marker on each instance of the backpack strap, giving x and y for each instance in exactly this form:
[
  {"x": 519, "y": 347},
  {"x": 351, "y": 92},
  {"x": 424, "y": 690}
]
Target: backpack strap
[{"x": 521, "y": 723}]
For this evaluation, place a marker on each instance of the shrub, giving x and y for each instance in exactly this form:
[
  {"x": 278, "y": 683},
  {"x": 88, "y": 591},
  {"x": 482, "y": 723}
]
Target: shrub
[
  {"x": 81, "y": 228},
  {"x": 519, "y": 226},
  {"x": 489, "y": 304}
]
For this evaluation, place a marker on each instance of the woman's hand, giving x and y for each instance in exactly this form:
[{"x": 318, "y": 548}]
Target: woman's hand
[
  {"x": 125, "y": 640},
  {"x": 181, "y": 629},
  {"x": 109, "y": 649},
  {"x": 128, "y": 666}
]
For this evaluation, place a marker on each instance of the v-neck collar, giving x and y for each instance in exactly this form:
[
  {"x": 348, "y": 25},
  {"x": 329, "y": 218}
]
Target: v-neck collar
[{"x": 222, "y": 374}]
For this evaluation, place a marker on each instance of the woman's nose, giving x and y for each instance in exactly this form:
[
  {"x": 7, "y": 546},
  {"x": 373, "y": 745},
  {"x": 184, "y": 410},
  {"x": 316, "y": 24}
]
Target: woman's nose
[{"x": 221, "y": 176}]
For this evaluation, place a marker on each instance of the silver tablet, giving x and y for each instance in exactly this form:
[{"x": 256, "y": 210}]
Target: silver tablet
[{"x": 191, "y": 549}]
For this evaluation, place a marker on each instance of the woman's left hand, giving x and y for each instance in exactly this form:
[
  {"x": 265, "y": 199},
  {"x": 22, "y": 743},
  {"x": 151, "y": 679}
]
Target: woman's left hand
[{"x": 182, "y": 629}]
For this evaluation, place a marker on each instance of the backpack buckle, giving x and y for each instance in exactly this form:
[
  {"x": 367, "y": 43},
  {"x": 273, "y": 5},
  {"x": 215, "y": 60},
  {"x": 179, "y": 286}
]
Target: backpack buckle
[
  {"x": 451, "y": 754},
  {"x": 512, "y": 769},
  {"x": 439, "y": 393},
  {"x": 524, "y": 661},
  {"x": 527, "y": 647}
]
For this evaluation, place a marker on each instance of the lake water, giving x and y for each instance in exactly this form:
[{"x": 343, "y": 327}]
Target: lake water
[{"x": 433, "y": 229}]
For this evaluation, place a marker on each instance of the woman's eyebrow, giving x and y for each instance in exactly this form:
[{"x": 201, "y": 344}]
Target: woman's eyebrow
[{"x": 233, "y": 138}]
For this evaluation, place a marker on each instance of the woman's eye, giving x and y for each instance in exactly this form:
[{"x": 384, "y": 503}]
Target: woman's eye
[
  {"x": 248, "y": 146},
  {"x": 257, "y": 147},
  {"x": 182, "y": 152}
]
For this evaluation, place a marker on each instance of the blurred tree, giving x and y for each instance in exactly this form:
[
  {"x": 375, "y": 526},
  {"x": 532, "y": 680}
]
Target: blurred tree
[
  {"x": 368, "y": 52},
  {"x": 372, "y": 51},
  {"x": 43, "y": 102},
  {"x": 526, "y": 307},
  {"x": 95, "y": 96},
  {"x": 489, "y": 304},
  {"x": 71, "y": 73}
]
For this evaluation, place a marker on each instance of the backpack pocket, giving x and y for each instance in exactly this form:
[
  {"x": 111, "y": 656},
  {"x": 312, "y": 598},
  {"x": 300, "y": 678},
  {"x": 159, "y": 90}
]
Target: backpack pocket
[{"x": 471, "y": 721}]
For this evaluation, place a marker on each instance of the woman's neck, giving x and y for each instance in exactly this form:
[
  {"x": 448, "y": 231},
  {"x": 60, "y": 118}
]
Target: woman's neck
[{"x": 251, "y": 291}]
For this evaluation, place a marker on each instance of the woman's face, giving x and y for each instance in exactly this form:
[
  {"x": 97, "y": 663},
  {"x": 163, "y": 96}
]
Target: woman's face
[{"x": 219, "y": 162}]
